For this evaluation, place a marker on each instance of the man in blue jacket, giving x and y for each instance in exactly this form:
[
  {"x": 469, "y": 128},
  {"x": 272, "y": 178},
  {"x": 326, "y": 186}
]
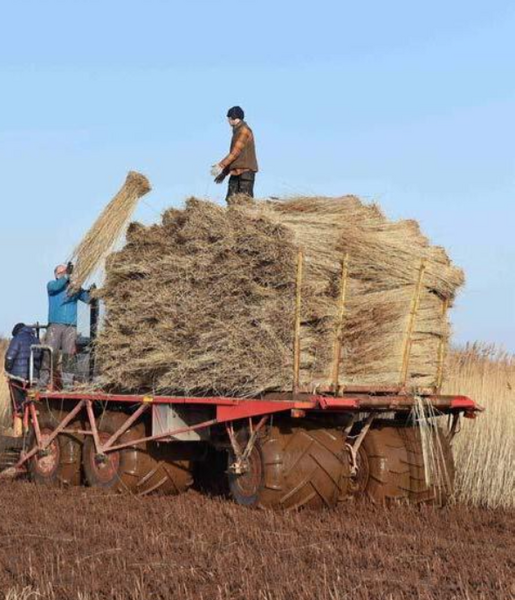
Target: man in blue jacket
[
  {"x": 62, "y": 323},
  {"x": 17, "y": 367}
]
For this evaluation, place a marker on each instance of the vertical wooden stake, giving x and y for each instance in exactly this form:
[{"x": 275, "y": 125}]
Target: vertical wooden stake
[
  {"x": 442, "y": 348},
  {"x": 415, "y": 303},
  {"x": 296, "y": 338},
  {"x": 337, "y": 353}
]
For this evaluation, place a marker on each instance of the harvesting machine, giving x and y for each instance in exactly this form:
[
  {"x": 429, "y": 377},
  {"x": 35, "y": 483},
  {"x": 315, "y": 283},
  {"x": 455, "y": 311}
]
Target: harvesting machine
[{"x": 290, "y": 449}]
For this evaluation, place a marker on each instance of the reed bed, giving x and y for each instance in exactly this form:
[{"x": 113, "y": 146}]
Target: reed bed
[
  {"x": 107, "y": 229},
  {"x": 204, "y": 301},
  {"x": 5, "y": 398},
  {"x": 485, "y": 448}
]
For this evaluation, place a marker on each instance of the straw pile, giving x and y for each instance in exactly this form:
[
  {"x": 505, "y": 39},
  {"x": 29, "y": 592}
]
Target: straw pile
[
  {"x": 107, "y": 229},
  {"x": 204, "y": 302}
]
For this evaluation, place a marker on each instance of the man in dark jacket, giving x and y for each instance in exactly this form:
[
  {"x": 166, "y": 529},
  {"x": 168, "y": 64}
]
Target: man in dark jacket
[
  {"x": 17, "y": 366},
  {"x": 241, "y": 162}
]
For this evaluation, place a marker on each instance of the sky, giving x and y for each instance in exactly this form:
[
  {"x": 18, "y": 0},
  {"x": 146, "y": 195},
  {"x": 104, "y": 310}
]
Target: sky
[{"x": 410, "y": 104}]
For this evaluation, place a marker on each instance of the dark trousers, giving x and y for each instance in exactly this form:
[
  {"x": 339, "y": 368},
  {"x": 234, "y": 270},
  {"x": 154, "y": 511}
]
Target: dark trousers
[
  {"x": 241, "y": 184},
  {"x": 18, "y": 397}
]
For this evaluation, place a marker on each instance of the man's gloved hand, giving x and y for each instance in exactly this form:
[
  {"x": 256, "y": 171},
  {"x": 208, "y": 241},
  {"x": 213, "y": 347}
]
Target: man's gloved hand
[
  {"x": 69, "y": 268},
  {"x": 220, "y": 178},
  {"x": 216, "y": 171}
]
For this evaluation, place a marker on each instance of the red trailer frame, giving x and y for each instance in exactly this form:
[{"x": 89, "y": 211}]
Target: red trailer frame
[{"x": 227, "y": 411}]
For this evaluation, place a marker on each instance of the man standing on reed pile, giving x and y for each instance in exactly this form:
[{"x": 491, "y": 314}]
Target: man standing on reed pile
[
  {"x": 61, "y": 334},
  {"x": 241, "y": 162}
]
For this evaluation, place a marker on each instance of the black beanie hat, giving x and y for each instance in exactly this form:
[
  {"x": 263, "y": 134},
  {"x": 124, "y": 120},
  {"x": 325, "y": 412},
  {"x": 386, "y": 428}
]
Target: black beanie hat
[
  {"x": 236, "y": 112},
  {"x": 17, "y": 328}
]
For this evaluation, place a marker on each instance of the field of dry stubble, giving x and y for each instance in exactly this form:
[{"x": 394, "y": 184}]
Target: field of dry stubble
[{"x": 85, "y": 545}]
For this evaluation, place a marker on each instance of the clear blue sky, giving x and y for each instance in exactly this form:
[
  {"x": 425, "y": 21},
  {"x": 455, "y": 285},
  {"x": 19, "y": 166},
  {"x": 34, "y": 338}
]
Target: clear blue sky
[{"x": 408, "y": 103}]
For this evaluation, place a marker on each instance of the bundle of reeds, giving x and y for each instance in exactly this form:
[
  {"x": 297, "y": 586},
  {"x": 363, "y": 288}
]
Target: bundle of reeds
[
  {"x": 107, "y": 229},
  {"x": 204, "y": 302}
]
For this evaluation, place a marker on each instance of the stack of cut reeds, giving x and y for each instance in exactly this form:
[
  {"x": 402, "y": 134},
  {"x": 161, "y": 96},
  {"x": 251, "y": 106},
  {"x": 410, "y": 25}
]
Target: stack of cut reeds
[{"x": 204, "y": 302}]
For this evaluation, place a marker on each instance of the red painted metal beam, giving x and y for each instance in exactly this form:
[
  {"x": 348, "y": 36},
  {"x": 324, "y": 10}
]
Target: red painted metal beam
[
  {"x": 40, "y": 445},
  {"x": 328, "y": 402},
  {"x": 237, "y": 408},
  {"x": 256, "y": 408},
  {"x": 464, "y": 403}
]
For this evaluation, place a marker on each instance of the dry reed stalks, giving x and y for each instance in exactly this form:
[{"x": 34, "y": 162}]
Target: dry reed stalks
[
  {"x": 204, "y": 302},
  {"x": 5, "y": 398},
  {"x": 107, "y": 229},
  {"x": 485, "y": 448},
  {"x": 436, "y": 470}
]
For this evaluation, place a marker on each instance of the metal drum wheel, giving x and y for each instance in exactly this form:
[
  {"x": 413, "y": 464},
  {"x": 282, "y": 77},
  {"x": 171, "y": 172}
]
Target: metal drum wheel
[
  {"x": 118, "y": 470},
  {"x": 293, "y": 466},
  {"x": 246, "y": 488},
  {"x": 141, "y": 468},
  {"x": 60, "y": 463}
]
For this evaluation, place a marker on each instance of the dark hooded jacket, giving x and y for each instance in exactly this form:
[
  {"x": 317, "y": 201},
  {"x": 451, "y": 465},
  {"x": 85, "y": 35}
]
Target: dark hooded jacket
[{"x": 17, "y": 358}]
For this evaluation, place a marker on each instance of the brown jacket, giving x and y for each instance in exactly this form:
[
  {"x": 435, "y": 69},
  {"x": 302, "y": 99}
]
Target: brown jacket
[{"x": 242, "y": 156}]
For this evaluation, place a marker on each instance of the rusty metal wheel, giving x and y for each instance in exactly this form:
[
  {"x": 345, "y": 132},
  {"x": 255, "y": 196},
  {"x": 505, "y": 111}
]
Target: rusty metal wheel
[
  {"x": 119, "y": 470},
  {"x": 294, "y": 466},
  {"x": 60, "y": 463},
  {"x": 435, "y": 484},
  {"x": 140, "y": 468},
  {"x": 382, "y": 466},
  {"x": 245, "y": 488}
]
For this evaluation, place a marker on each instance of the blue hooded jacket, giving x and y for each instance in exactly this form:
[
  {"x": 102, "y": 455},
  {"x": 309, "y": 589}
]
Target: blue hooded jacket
[
  {"x": 62, "y": 308},
  {"x": 17, "y": 358}
]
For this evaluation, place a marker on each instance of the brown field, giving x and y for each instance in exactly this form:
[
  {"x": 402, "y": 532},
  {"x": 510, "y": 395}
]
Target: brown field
[
  {"x": 81, "y": 544},
  {"x": 85, "y": 545}
]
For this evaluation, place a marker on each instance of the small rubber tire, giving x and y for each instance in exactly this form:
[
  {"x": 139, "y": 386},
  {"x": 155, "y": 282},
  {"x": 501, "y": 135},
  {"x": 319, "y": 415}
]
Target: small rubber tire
[
  {"x": 439, "y": 491},
  {"x": 294, "y": 466},
  {"x": 60, "y": 465},
  {"x": 383, "y": 474}
]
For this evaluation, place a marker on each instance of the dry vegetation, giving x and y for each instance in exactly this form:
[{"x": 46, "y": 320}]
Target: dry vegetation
[
  {"x": 80, "y": 544},
  {"x": 5, "y": 399},
  {"x": 108, "y": 228},
  {"x": 485, "y": 448},
  {"x": 203, "y": 302}
]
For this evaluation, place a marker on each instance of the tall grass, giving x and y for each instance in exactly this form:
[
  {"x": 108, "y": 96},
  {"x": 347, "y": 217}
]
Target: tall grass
[
  {"x": 485, "y": 448},
  {"x": 5, "y": 399}
]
